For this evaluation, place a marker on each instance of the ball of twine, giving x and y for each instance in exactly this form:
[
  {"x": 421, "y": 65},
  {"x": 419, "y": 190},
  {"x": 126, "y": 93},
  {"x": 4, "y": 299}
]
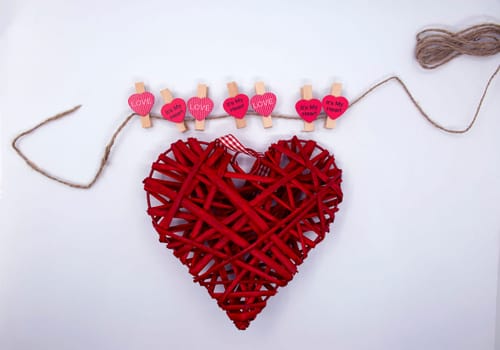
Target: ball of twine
[{"x": 437, "y": 46}]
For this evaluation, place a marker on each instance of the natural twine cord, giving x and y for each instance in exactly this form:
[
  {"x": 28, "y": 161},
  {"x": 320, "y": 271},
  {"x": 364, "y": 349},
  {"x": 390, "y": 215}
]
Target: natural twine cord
[
  {"x": 104, "y": 159},
  {"x": 437, "y": 46},
  {"x": 434, "y": 47}
]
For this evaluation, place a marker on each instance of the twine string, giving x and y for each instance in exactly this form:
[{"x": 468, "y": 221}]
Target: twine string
[
  {"x": 437, "y": 46},
  {"x": 434, "y": 47}
]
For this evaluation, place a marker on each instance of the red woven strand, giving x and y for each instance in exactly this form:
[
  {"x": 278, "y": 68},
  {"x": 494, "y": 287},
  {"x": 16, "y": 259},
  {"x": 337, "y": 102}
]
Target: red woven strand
[{"x": 243, "y": 234}]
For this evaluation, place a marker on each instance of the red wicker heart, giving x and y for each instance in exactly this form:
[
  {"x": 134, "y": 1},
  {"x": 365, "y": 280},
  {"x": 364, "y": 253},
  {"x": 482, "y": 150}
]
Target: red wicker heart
[{"x": 242, "y": 234}]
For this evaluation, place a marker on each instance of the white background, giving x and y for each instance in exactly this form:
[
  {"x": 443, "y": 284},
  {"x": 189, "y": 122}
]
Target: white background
[{"x": 413, "y": 259}]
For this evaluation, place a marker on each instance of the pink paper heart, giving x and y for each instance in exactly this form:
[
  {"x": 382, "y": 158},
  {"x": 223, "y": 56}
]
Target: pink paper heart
[
  {"x": 141, "y": 103},
  {"x": 174, "y": 111},
  {"x": 308, "y": 109},
  {"x": 200, "y": 107},
  {"x": 335, "y": 106},
  {"x": 236, "y": 106},
  {"x": 264, "y": 104}
]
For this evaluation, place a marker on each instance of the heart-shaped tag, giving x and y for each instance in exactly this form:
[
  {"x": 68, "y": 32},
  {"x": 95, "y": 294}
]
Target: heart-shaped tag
[
  {"x": 174, "y": 111},
  {"x": 263, "y": 104},
  {"x": 308, "y": 109},
  {"x": 200, "y": 107},
  {"x": 236, "y": 106},
  {"x": 241, "y": 234},
  {"x": 141, "y": 103},
  {"x": 335, "y": 106}
]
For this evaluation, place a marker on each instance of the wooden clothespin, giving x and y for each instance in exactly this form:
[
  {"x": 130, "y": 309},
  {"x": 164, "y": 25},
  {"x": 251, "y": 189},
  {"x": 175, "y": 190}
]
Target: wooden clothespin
[
  {"x": 263, "y": 103},
  {"x": 205, "y": 106},
  {"x": 236, "y": 105},
  {"x": 306, "y": 92},
  {"x": 334, "y": 105},
  {"x": 308, "y": 107},
  {"x": 335, "y": 91},
  {"x": 200, "y": 107},
  {"x": 201, "y": 92},
  {"x": 141, "y": 103},
  {"x": 174, "y": 109}
]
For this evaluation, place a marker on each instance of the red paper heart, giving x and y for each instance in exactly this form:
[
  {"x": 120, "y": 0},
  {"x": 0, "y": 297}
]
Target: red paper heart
[
  {"x": 236, "y": 106},
  {"x": 263, "y": 104},
  {"x": 308, "y": 109},
  {"x": 200, "y": 108},
  {"x": 174, "y": 111},
  {"x": 335, "y": 106},
  {"x": 141, "y": 103},
  {"x": 242, "y": 235}
]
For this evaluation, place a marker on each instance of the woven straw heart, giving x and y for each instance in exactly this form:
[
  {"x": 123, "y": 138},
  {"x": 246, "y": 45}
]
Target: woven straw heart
[{"x": 242, "y": 234}]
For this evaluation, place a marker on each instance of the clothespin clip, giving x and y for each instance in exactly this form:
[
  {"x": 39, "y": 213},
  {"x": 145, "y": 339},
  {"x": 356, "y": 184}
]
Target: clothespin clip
[
  {"x": 200, "y": 107},
  {"x": 308, "y": 107},
  {"x": 334, "y": 105},
  {"x": 236, "y": 105},
  {"x": 174, "y": 109},
  {"x": 263, "y": 104},
  {"x": 141, "y": 103}
]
